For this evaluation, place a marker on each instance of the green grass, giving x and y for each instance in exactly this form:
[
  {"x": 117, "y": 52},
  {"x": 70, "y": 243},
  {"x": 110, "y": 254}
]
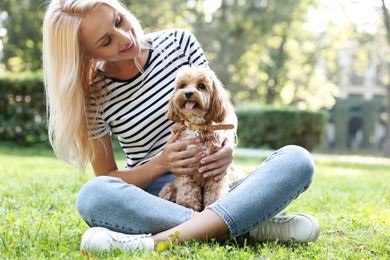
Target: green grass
[{"x": 38, "y": 218}]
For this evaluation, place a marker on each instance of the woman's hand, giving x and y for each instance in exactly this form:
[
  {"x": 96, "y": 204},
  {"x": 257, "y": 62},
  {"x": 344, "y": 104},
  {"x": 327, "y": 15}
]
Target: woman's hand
[
  {"x": 217, "y": 164},
  {"x": 177, "y": 159}
]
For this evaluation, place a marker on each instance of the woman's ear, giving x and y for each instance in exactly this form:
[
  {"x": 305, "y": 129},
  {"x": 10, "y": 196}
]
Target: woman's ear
[{"x": 220, "y": 103}]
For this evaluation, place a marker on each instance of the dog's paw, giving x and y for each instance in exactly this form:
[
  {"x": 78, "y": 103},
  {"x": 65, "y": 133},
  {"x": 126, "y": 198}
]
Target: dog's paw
[
  {"x": 168, "y": 192},
  {"x": 195, "y": 206}
]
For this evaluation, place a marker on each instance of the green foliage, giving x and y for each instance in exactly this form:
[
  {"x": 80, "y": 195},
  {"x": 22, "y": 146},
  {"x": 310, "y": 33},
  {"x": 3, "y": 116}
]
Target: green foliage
[
  {"x": 278, "y": 127},
  {"x": 255, "y": 47},
  {"x": 22, "y": 43},
  {"x": 39, "y": 218},
  {"x": 262, "y": 54},
  {"x": 22, "y": 109}
]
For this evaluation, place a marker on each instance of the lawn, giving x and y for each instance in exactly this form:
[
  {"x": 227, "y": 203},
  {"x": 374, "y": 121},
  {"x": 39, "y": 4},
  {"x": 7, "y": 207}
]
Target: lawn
[{"x": 38, "y": 219}]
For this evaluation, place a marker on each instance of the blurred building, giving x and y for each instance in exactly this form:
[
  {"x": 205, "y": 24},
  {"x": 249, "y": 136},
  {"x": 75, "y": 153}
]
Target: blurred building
[{"x": 358, "y": 118}]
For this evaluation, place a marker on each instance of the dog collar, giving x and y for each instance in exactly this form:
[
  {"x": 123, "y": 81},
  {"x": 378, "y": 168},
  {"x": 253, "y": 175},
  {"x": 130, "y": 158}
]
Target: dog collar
[{"x": 208, "y": 127}]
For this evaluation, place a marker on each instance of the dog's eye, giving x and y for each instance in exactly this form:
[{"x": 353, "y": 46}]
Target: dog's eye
[
  {"x": 182, "y": 86},
  {"x": 201, "y": 86}
]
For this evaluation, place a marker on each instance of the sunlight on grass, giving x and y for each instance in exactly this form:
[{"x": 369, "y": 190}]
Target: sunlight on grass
[
  {"x": 339, "y": 171},
  {"x": 39, "y": 219}
]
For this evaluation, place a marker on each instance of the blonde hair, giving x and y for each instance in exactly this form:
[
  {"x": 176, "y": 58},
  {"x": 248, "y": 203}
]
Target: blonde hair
[{"x": 69, "y": 76}]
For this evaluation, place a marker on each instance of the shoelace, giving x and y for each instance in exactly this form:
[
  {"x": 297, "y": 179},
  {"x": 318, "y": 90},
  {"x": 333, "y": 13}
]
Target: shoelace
[
  {"x": 129, "y": 241},
  {"x": 279, "y": 220},
  {"x": 273, "y": 228}
]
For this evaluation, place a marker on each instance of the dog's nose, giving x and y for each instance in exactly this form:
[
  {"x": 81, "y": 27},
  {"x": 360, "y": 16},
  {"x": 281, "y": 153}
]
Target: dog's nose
[{"x": 189, "y": 94}]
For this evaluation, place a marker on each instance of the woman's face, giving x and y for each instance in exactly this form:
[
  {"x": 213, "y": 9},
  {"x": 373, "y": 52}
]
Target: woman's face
[{"x": 109, "y": 35}]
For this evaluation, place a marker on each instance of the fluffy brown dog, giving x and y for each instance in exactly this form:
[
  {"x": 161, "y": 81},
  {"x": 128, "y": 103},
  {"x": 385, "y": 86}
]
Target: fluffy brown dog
[{"x": 198, "y": 102}]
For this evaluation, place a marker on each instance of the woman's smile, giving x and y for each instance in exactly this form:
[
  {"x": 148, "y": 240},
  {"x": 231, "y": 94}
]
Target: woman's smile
[{"x": 129, "y": 47}]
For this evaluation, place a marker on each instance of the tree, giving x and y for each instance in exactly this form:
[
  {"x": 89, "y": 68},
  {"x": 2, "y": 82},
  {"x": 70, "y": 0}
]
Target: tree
[
  {"x": 258, "y": 49},
  {"x": 249, "y": 45},
  {"x": 22, "y": 43},
  {"x": 386, "y": 21},
  {"x": 263, "y": 55}
]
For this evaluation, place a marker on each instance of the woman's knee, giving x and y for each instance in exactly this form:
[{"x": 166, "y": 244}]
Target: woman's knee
[
  {"x": 92, "y": 194},
  {"x": 301, "y": 161}
]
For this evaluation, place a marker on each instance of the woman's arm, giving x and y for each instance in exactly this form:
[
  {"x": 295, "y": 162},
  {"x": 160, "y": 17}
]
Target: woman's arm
[{"x": 174, "y": 158}]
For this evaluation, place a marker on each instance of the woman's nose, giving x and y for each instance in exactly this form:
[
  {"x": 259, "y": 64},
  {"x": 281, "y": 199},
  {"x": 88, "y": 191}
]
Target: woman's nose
[{"x": 123, "y": 36}]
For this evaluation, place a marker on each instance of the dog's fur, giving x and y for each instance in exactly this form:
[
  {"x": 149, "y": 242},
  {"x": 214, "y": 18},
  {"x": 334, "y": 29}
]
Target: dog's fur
[{"x": 200, "y": 99}]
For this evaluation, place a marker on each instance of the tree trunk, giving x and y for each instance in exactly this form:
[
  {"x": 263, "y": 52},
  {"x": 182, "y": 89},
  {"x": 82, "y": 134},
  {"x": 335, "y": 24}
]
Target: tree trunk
[
  {"x": 387, "y": 142},
  {"x": 386, "y": 20}
]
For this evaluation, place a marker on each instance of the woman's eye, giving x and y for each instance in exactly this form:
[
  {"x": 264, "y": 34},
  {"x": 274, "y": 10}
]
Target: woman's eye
[
  {"x": 106, "y": 42},
  {"x": 118, "y": 20}
]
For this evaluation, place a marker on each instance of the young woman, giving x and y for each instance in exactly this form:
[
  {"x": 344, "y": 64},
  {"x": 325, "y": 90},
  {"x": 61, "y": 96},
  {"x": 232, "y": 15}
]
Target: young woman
[{"x": 104, "y": 77}]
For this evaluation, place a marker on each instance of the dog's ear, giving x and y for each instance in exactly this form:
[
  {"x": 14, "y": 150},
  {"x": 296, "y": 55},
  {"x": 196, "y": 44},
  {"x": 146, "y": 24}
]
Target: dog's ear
[
  {"x": 172, "y": 111},
  {"x": 220, "y": 104}
]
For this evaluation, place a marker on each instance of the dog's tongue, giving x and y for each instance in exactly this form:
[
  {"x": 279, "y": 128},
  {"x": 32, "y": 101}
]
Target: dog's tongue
[{"x": 190, "y": 105}]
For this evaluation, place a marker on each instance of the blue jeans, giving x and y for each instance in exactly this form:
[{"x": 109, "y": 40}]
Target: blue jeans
[{"x": 110, "y": 202}]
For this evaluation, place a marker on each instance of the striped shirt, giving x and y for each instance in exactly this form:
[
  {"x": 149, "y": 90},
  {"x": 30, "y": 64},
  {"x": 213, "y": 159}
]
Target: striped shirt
[{"x": 135, "y": 110}]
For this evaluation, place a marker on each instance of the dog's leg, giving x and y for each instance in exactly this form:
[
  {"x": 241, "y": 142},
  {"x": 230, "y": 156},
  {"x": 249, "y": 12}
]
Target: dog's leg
[
  {"x": 213, "y": 190},
  {"x": 168, "y": 192},
  {"x": 189, "y": 194}
]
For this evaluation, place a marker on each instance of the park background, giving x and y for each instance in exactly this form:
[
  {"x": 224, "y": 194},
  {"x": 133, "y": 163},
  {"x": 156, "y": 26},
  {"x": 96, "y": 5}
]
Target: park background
[
  {"x": 330, "y": 57},
  {"x": 309, "y": 72}
]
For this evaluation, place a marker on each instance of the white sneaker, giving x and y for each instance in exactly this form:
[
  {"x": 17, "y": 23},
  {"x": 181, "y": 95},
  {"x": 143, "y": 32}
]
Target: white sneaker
[
  {"x": 294, "y": 227},
  {"x": 99, "y": 239}
]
